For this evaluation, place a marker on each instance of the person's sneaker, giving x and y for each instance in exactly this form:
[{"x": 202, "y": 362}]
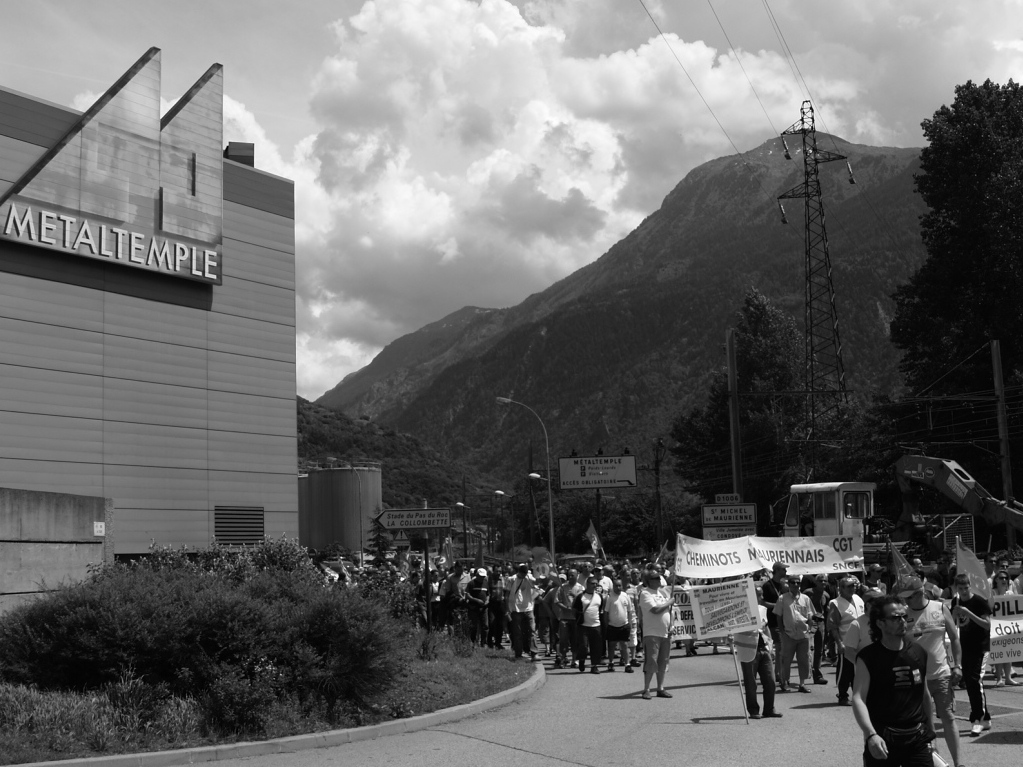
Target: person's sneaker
[
  {"x": 646, "y": 695},
  {"x": 820, "y": 680},
  {"x": 594, "y": 670},
  {"x": 803, "y": 688},
  {"x": 783, "y": 688},
  {"x": 610, "y": 668},
  {"x": 755, "y": 716},
  {"x": 635, "y": 664},
  {"x": 557, "y": 664},
  {"x": 843, "y": 700},
  {"x": 976, "y": 730},
  {"x": 663, "y": 694},
  {"x": 772, "y": 715},
  {"x": 999, "y": 683},
  {"x": 582, "y": 666},
  {"x": 628, "y": 669},
  {"x": 987, "y": 725}
]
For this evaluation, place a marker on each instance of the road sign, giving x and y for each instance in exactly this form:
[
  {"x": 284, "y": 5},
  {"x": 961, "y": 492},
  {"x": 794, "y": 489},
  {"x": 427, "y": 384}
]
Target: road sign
[
  {"x": 727, "y": 498},
  {"x": 401, "y": 540},
  {"x": 727, "y": 532},
  {"x": 729, "y": 514},
  {"x": 411, "y": 519},
  {"x": 587, "y": 472}
]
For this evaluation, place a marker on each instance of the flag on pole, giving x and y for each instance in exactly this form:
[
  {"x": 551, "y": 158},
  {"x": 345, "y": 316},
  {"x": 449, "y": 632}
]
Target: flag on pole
[
  {"x": 903, "y": 570},
  {"x": 403, "y": 564},
  {"x": 449, "y": 552},
  {"x": 967, "y": 562},
  {"x": 591, "y": 534},
  {"x": 663, "y": 553}
]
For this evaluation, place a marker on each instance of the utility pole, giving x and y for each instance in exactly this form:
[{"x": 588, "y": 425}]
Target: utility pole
[
  {"x": 659, "y": 451},
  {"x": 824, "y": 372},
  {"x": 733, "y": 412},
  {"x": 1003, "y": 437}
]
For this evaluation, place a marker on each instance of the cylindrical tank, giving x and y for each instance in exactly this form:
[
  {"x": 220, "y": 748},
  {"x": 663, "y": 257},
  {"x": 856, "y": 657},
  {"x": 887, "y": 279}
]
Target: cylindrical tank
[{"x": 338, "y": 505}]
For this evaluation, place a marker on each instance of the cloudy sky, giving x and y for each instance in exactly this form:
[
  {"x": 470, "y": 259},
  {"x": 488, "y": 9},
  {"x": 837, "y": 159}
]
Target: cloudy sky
[{"x": 450, "y": 153}]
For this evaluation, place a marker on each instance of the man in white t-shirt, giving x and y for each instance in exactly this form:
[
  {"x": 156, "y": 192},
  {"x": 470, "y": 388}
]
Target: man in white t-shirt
[
  {"x": 655, "y": 604},
  {"x": 588, "y": 606},
  {"x": 842, "y": 611},
  {"x": 930, "y": 621}
]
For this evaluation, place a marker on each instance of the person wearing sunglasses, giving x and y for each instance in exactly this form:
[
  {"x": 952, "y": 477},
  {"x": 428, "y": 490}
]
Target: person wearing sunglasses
[
  {"x": 889, "y": 698},
  {"x": 1000, "y": 585}
]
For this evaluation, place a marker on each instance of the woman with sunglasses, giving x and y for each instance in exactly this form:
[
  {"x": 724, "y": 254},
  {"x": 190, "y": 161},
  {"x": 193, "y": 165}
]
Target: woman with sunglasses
[{"x": 1003, "y": 671}]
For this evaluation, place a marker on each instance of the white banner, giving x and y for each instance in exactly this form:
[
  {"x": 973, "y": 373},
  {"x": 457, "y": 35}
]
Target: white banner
[
  {"x": 682, "y": 624},
  {"x": 1006, "y": 628},
  {"x": 696, "y": 558},
  {"x": 725, "y": 608}
]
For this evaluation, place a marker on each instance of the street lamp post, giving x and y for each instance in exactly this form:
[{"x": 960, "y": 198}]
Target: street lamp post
[
  {"x": 499, "y": 494},
  {"x": 465, "y": 529},
  {"x": 547, "y": 446}
]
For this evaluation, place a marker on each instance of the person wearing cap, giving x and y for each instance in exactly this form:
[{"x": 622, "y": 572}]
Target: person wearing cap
[
  {"x": 873, "y": 580},
  {"x": 477, "y": 597},
  {"x": 930, "y": 621},
  {"x": 773, "y": 588},
  {"x": 522, "y": 593},
  {"x": 843, "y": 610}
]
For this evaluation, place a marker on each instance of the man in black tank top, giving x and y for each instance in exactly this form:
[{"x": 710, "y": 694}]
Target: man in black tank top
[{"x": 888, "y": 698}]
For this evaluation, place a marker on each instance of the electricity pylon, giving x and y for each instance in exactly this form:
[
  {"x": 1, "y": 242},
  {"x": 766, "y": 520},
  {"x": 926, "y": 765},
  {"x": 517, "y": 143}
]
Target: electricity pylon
[{"x": 824, "y": 372}]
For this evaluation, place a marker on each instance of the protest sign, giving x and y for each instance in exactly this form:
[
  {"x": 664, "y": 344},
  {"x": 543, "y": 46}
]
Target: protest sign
[
  {"x": 1006, "y": 628},
  {"x": 682, "y": 623},
  {"x": 724, "y": 608},
  {"x": 696, "y": 558}
]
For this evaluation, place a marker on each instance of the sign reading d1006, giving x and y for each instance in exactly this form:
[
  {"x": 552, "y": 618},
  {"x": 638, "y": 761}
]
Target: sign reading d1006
[
  {"x": 409, "y": 519},
  {"x": 582, "y": 472}
]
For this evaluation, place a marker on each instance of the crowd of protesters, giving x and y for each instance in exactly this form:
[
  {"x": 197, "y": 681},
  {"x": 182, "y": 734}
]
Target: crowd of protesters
[{"x": 616, "y": 615}]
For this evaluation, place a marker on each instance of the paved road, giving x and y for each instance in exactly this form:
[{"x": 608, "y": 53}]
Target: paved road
[{"x": 598, "y": 721}]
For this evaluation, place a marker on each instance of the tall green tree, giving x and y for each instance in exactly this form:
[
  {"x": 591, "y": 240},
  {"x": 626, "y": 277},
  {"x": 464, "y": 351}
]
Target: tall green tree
[
  {"x": 968, "y": 290},
  {"x": 769, "y": 351}
]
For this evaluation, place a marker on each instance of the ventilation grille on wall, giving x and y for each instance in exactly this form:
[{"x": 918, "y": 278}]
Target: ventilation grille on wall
[{"x": 238, "y": 525}]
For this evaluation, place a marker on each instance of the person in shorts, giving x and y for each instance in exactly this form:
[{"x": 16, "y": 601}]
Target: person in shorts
[
  {"x": 930, "y": 621},
  {"x": 655, "y": 603}
]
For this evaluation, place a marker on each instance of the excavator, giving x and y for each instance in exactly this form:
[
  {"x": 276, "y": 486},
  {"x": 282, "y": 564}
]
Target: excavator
[{"x": 955, "y": 483}]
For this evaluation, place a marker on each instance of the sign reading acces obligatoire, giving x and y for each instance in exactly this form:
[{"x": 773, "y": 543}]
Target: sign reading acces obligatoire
[{"x": 588, "y": 472}]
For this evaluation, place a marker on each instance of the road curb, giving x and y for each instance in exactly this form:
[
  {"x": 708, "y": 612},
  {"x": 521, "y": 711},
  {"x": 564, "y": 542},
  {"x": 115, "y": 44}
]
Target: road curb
[{"x": 310, "y": 740}]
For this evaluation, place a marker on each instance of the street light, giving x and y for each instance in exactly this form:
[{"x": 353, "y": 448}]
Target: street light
[
  {"x": 465, "y": 530},
  {"x": 499, "y": 494},
  {"x": 547, "y": 445}
]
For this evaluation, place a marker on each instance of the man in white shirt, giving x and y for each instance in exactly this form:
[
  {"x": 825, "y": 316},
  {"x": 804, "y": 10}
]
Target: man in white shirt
[
  {"x": 930, "y": 622},
  {"x": 655, "y": 604},
  {"x": 621, "y": 622},
  {"x": 794, "y": 611},
  {"x": 522, "y": 591},
  {"x": 588, "y": 607},
  {"x": 842, "y": 611}
]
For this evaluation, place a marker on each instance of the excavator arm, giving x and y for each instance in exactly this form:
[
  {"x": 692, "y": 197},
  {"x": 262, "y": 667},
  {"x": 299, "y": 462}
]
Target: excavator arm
[{"x": 955, "y": 483}]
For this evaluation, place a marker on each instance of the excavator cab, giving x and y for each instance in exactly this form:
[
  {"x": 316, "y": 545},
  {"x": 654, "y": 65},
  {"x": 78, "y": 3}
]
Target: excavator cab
[{"x": 829, "y": 508}]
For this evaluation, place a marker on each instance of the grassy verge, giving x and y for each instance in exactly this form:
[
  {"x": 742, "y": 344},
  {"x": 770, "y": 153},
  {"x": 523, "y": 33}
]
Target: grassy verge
[{"x": 46, "y": 726}]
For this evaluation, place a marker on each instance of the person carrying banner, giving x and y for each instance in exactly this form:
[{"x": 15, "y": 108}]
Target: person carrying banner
[
  {"x": 774, "y": 587},
  {"x": 929, "y": 623},
  {"x": 889, "y": 698},
  {"x": 842, "y": 611},
  {"x": 971, "y": 612},
  {"x": 655, "y": 604},
  {"x": 522, "y": 592},
  {"x": 756, "y": 654},
  {"x": 795, "y": 615},
  {"x": 589, "y": 614}
]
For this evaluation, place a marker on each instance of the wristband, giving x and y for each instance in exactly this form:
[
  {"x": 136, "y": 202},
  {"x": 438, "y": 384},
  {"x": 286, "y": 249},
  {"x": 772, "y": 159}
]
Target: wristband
[{"x": 872, "y": 735}]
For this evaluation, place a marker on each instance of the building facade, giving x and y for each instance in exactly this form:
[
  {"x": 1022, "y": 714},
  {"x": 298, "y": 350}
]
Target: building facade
[{"x": 147, "y": 315}]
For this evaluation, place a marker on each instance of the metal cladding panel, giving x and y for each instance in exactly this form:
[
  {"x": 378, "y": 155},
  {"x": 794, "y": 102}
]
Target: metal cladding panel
[
  {"x": 156, "y": 487},
  {"x": 259, "y": 228},
  {"x": 251, "y": 375},
  {"x": 260, "y": 264},
  {"x": 52, "y": 476},
  {"x": 245, "y": 298},
  {"x": 237, "y": 451},
  {"x": 255, "y": 189},
  {"x": 147, "y": 361},
  {"x": 168, "y": 324},
  {"x": 274, "y": 492},
  {"x": 282, "y": 523},
  {"x": 147, "y": 402},
  {"x": 265, "y": 340},
  {"x": 251, "y": 413},
  {"x": 50, "y": 303},
  {"x": 51, "y": 347},
  {"x": 145, "y": 444},
  {"x": 34, "y": 436},
  {"x": 136, "y": 529},
  {"x": 32, "y": 120},
  {"x": 16, "y": 157},
  {"x": 51, "y": 392}
]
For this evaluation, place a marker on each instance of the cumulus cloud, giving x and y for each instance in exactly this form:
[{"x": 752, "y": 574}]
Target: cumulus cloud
[{"x": 471, "y": 153}]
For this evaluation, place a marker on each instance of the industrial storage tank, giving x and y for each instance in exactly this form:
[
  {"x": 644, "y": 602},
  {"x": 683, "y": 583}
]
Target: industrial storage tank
[{"x": 338, "y": 504}]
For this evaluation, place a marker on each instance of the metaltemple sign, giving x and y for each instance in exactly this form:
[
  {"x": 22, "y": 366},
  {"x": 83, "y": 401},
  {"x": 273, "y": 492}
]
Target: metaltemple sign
[{"x": 588, "y": 472}]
